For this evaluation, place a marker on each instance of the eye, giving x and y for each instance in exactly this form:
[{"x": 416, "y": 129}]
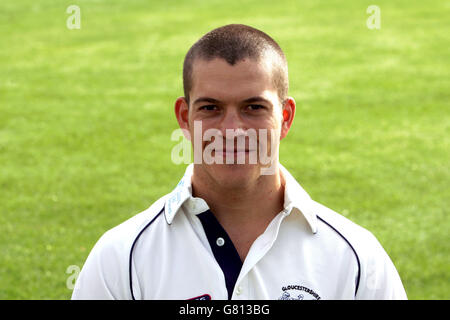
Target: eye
[
  {"x": 254, "y": 107},
  {"x": 209, "y": 107}
]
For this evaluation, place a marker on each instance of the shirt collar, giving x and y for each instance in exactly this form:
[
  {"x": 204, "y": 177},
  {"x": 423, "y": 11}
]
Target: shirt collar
[
  {"x": 298, "y": 200},
  {"x": 182, "y": 194},
  {"x": 295, "y": 199}
]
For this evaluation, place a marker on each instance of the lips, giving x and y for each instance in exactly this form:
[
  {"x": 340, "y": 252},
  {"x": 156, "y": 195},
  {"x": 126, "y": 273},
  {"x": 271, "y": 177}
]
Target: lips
[
  {"x": 237, "y": 156},
  {"x": 242, "y": 149},
  {"x": 233, "y": 151},
  {"x": 235, "y": 147}
]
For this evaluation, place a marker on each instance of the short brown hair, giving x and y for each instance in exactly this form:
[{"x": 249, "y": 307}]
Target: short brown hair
[{"x": 233, "y": 43}]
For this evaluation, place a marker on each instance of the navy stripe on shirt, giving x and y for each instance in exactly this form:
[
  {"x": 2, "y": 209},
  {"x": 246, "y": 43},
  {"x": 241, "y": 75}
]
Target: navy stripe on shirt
[{"x": 224, "y": 251}]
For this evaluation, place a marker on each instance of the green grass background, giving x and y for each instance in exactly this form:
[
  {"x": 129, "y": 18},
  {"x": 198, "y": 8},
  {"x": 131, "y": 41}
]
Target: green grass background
[{"x": 86, "y": 117}]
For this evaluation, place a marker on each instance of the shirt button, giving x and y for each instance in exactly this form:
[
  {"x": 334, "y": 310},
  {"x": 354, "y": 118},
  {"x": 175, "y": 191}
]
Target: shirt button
[
  {"x": 239, "y": 290},
  {"x": 220, "y": 242}
]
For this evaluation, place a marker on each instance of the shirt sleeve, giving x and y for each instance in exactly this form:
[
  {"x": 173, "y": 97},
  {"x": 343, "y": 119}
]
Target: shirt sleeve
[
  {"x": 379, "y": 277},
  {"x": 103, "y": 276}
]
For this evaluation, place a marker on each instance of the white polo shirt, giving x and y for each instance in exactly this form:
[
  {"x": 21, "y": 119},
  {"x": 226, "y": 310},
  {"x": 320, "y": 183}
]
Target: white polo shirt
[{"x": 176, "y": 249}]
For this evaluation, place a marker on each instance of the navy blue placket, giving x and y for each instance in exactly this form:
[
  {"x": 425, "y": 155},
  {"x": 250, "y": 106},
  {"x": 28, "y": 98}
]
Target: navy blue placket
[{"x": 223, "y": 249}]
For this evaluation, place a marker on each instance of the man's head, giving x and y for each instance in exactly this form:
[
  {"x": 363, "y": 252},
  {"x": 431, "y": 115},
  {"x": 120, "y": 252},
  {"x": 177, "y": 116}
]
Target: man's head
[
  {"x": 234, "y": 43},
  {"x": 235, "y": 79}
]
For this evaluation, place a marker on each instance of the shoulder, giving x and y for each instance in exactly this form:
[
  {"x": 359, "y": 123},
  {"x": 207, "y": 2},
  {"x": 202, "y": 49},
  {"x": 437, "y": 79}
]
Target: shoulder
[
  {"x": 105, "y": 273},
  {"x": 377, "y": 276},
  {"x": 123, "y": 235},
  {"x": 357, "y": 236}
]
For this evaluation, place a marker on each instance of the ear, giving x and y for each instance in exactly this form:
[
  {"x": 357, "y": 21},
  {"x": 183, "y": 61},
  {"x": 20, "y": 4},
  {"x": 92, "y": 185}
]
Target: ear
[
  {"x": 182, "y": 114},
  {"x": 288, "y": 111}
]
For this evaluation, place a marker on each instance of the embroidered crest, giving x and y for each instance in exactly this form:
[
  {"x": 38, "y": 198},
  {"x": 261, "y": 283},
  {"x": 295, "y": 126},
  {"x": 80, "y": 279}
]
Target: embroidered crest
[{"x": 297, "y": 292}]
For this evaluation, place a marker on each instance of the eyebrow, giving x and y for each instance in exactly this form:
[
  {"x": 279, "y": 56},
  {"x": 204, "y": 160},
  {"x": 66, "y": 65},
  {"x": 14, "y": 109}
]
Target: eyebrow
[
  {"x": 205, "y": 99},
  {"x": 257, "y": 99},
  {"x": 249, "y": 100}
]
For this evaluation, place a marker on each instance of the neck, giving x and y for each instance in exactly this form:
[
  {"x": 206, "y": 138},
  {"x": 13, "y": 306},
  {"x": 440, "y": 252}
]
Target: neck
[{"x": 256, "y": 202}]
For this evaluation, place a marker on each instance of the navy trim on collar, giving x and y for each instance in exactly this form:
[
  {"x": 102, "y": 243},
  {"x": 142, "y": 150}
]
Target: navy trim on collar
[{"x": 223, "y": 249}]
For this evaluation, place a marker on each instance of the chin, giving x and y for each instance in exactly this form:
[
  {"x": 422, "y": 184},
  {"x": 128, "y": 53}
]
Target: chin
[{"x": 234, "y": 175}]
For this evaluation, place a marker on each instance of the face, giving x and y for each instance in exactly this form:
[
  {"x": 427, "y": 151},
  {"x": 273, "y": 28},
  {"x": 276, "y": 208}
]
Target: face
[{"x": 230, "y": 101}]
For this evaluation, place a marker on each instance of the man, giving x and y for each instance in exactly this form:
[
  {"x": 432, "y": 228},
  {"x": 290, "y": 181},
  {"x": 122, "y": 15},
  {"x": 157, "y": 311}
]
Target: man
[{"x": 237, "y": 229}]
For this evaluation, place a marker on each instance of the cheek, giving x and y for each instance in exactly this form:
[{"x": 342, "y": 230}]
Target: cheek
[
  {"x": 265, "y": 122},
  {"x": 276, "y": 130},
  {"x": 274, "y": 123}
]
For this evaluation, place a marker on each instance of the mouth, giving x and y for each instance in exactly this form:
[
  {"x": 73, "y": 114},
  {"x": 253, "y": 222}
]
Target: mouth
[
  {"x": 235, "y": 151},
  {"x": 237, "y": 156}
]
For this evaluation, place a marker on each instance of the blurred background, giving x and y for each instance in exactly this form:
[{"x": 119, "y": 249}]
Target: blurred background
[{"x": 86, "y": 115}]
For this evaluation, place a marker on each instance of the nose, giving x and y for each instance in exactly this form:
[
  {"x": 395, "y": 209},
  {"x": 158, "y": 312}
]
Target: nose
[{"x": 231, "y": 120}]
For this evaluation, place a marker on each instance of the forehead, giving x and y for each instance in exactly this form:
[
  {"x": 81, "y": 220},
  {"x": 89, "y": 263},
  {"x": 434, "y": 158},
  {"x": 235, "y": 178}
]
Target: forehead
[{"x": 218, "y": 79}]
